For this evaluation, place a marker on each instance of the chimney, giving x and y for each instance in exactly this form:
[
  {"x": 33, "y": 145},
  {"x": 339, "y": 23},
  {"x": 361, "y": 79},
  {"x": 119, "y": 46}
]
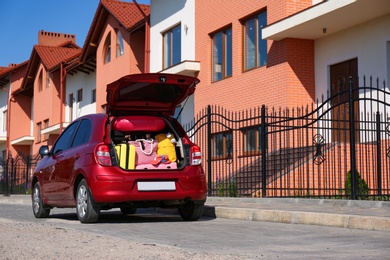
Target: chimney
[{"x": 54, "y": 39}]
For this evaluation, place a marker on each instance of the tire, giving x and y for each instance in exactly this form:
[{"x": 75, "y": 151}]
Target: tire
[
  {"x": 87, "y": 211},
  {"x": 128, "y": 210},
  {"x": 191, "y": 211},
  {"x": 40, "y": 210}
]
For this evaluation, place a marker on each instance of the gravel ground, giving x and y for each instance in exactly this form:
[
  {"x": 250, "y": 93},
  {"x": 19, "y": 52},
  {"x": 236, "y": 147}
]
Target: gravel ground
[{"x": 46, "y": 241}]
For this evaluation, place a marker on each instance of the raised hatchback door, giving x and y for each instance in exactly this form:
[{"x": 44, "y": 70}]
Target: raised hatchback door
[{"x": 149, "y": 93}]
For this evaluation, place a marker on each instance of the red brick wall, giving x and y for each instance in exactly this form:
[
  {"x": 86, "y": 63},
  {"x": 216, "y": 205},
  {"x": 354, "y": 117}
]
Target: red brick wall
[{"x": 287, "y": 79}]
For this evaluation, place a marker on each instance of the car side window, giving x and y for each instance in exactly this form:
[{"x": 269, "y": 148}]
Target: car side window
[
  {"x": 65, "y": 139},
  {"x": 83, "y": 133}
]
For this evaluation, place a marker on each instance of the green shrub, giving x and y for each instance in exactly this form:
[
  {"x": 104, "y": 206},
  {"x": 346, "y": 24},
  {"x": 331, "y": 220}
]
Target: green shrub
[
  {"x": 221, "y": 190},
  {"x": 361, "y": 188},
  {"x": 233, "y": 192}
]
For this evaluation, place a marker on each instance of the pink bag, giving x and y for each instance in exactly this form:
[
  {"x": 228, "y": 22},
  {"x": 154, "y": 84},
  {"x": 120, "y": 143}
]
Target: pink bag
[
  {"x": 161, "y": 166},
  {"x": 145, "y": 150}
]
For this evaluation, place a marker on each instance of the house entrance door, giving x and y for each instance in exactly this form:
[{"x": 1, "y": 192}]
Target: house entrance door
[{"x": 339, "y": 80}]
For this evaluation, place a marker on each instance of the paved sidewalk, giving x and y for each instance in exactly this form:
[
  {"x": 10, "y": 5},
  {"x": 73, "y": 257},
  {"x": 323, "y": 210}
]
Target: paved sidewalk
[{"x": 367, "y": 215}]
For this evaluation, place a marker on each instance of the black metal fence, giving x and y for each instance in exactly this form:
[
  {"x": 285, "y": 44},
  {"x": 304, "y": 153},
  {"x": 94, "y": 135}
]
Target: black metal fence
[
  {"x": 338, "y": 147},
  {"x": 16, "y": 174}
]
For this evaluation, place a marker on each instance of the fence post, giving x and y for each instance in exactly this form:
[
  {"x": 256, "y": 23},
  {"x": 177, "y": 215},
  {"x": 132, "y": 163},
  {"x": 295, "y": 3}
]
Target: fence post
[
  {"x": 263, "y": 154},
  {"x": 209, "y": 148},
  {"x": 352, "y": 140},
  {"x": 5, "y": 176},
  {"x": 378, "y": 151}
]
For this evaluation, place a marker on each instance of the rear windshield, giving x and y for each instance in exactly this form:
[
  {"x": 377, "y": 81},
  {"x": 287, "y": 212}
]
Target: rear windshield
[{"x": 155, "y": 92}]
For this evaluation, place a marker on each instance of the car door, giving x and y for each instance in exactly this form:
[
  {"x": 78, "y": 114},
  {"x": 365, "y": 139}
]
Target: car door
[
  {"x": 53, "y": 185},
  {"x": 69, "y": 162}
]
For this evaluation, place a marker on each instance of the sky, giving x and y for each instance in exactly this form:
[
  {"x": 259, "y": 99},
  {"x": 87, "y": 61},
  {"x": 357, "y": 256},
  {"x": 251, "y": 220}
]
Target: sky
[{"x": 22, "y": 20}]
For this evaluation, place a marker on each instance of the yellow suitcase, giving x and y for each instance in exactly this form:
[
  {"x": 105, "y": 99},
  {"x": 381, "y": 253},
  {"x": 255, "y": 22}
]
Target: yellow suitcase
[{"x": 126, "y": 155}]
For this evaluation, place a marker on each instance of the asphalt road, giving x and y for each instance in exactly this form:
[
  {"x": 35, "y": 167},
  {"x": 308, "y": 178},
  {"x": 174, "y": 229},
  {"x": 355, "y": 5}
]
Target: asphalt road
[{"x": 227, "y": 237}]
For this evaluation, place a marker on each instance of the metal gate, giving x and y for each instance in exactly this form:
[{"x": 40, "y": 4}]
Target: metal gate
[
  {"x": 17, "y": 172},
  {"x": 338, "y": 147}
]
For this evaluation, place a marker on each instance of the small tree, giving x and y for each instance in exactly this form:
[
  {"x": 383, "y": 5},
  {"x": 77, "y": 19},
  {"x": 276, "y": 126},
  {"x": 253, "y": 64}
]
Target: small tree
[{"x": 361, "y": 189}]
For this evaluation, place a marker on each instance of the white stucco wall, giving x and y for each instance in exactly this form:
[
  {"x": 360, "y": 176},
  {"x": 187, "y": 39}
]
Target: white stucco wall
[
  {"x": 165, "y": 15},
  {"x": 4, "y": 96},
  {"x": 368, "y": 42},
  {"x": 87, "y": 82}
]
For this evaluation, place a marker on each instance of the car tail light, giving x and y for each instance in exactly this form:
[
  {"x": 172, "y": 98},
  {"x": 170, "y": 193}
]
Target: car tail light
[
  {"x": 103, "y": 155},
  {"x": 196, "y": 155}
]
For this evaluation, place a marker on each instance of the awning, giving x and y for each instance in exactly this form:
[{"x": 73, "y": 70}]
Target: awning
[{"x": 326, "y": 18}]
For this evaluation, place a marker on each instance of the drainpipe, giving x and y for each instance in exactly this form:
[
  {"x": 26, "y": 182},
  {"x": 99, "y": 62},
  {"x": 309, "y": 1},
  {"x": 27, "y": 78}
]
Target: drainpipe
[
  {"x": 147, "y": 46},
  {"x": 62, "y": 77},
  {"x": 147, "y": 39}
]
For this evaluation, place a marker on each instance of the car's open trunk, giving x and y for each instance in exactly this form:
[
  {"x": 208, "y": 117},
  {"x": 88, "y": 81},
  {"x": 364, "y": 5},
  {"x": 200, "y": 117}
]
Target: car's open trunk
[{"x": 146, "y": 143}]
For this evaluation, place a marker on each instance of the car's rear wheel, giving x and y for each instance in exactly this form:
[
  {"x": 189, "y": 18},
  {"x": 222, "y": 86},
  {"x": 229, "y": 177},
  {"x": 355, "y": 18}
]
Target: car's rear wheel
[
  {"x": 191, "y": 211},
  {"x": 39, "y": 208},
  {"x": 87, "y": 211}
]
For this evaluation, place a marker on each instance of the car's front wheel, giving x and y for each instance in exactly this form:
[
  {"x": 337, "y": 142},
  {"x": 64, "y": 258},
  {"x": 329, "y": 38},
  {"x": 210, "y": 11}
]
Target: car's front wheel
[
  {"x": 87, "y": 211},
  {"x": 39, "y": 208},
  {"x": 191, "y": 211}
]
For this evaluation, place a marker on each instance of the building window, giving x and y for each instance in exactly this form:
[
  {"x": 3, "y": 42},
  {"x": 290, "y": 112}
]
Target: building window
[
  {"x": 47, "y": 80},
  {"x": 4, "y": 120},
  {"x": 255, "y": 49},
  {"x": 93, "y": 96},
  {"x": 79, "y": 95},
  {"x": 71, "y": 100},
  {"x": 39, "y": 130},
  {"x": 40, "y": 81},
  {"x": 107, "y": 49},
  {"x": 46, "y": 125},
  {"x": 172, "y": 46},
  {"x": 252, "y": 140},
  {"x": 222, "y": 54},
  {"x": 119, "y": 44},
  {"x": 222, "y": 145}
]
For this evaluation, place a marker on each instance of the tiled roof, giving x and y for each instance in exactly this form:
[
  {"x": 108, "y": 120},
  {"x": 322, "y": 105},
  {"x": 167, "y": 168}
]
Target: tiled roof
[
  {"x": 6, "y": 70},
  {"x": 3, "y": 70},
  {"x": 128, "y": 14},
  {"x": 53, "y": 56}
]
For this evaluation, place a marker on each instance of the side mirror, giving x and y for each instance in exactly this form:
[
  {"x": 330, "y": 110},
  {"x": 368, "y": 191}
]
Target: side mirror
[{"x": 44, "y": 150}]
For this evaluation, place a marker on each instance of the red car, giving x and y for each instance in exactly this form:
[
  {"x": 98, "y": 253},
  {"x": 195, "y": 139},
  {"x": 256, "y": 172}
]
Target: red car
[{"x": 137, "y": 155}]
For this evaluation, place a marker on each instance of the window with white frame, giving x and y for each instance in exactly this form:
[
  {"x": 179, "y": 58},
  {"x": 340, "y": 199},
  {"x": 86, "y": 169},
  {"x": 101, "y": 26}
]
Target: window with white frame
[
  {"x": 119, "y": 44},
  {"x": 47, "y": 79},
  {"x": 172, "y": 46},
  {"x": 4, "y": 120}
]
